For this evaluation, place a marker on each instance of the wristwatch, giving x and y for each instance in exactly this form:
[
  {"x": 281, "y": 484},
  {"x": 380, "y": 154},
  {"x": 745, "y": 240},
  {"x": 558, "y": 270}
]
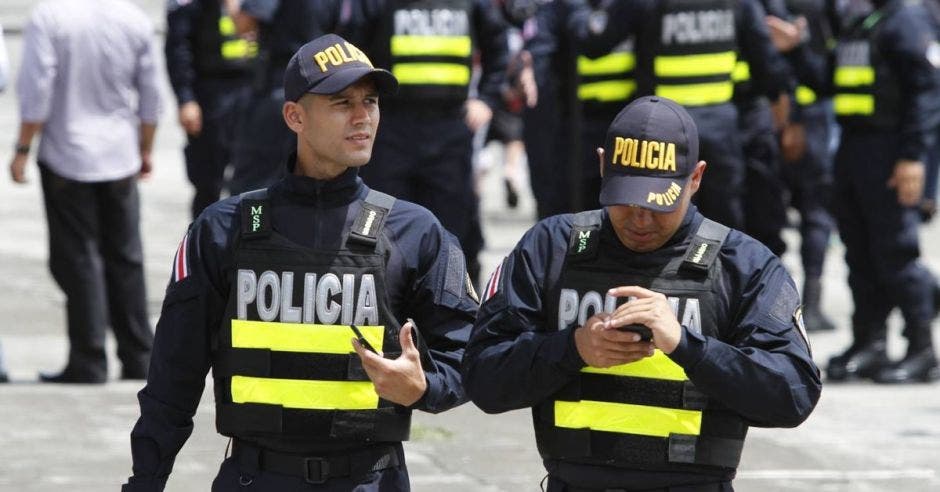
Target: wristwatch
[{"x": 21, "y": 149}]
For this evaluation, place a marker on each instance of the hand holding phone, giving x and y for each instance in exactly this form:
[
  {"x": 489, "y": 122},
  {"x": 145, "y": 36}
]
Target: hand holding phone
[
  {"x": 362, "y": 340},
  {"x": 645, "y": 333}
]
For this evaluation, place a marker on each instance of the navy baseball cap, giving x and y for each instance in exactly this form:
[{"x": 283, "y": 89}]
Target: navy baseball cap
[
  {"x": 650, "y": 150},
  {"x": 330, "y": 64}
]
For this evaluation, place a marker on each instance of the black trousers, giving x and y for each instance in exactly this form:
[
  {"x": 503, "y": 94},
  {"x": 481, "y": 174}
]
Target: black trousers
[
  {"x": 263, "y": 142},
  {"x": 208, "y": 154},
  {"x": 882, "y": 246},
  {"x": 95, "y": 256},
  {"x": 721, "y": 194},
  {"x": 234, "y": 477},
  {"x": 810, "y": 183},
  {"x": 764, "y": 212}
]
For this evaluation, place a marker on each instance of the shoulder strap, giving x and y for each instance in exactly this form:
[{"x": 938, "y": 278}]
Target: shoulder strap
[
  {"x": 256, "y": 221},
  {"x": 371, "y": 219},
  {"x": 584, "y": 234},
  {"x": 705, "y": 245}
]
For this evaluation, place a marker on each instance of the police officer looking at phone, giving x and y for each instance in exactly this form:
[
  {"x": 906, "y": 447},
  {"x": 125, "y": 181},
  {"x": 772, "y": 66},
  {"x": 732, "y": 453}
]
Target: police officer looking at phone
[
  {"x": 274, "y": 289},
  {"x": 557, "y": 329}
]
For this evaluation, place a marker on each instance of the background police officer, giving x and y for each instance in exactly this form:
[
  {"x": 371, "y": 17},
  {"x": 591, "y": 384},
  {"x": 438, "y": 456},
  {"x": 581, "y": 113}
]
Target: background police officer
[
  {"x": 211, "y": 70},
  {"x": 687, "y": 51},
  {"x": 423, "y": 153},
  {"x": 265, "y": 288},
  {"x": 806, "y": 144},
  {"x": 763, "y": 105},
  {"x": 262, "y": 140},
  {"x": 887, "y": 100},
  {"x": 556, "y": 328}
]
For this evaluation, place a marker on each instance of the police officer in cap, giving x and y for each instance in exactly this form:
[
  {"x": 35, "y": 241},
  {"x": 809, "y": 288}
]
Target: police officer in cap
[
  {"x": 687, "y": 51},
  {"x": 211, "y": 69},
  {"x": 887, "y": 100},
  {"x": 646, "y": 337},
  {"x": 262, "y": 141},
  {"x": 296, "y": 297}
]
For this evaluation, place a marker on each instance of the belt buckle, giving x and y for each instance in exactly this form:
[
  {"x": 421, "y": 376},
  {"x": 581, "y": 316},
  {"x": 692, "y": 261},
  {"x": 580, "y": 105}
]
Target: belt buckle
[{"x": 321, "y": 469}]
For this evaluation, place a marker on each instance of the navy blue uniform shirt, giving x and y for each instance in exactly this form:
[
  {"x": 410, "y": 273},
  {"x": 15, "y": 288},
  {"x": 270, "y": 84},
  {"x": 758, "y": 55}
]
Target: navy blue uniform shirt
[
  {"x": 426, "y": 280},
  {"x": 760, "y": 367}
]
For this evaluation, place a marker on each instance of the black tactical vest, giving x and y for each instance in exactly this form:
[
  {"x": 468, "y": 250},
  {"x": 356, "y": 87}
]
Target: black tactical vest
[
  {"x": 606, "y": 83},
  {"x": 646, "y": 414},
  {"x": 694, "y": 50},
  {"x": 220, "y": 51},
  {"x": 867, "y": 92},
  {"x": 428, "y": 46},
  {"x": 284, "y": 365}
]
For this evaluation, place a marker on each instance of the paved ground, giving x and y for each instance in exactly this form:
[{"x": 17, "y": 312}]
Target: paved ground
[{"x": 861, "y": 438}]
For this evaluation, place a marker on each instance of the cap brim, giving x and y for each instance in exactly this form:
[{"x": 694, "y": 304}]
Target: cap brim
[
  {"x": 385, "y": 82},
  {"x": 653, "y": 193}
]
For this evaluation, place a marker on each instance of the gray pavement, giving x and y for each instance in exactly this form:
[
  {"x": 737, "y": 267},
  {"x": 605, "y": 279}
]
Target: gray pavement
[{"x": 862, "y": 437}]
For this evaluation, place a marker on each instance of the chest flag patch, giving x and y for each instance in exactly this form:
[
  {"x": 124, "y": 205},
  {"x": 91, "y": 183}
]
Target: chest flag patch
[
  {"x": 181, "y": 261},
  {"x": 492, "y": 286}
]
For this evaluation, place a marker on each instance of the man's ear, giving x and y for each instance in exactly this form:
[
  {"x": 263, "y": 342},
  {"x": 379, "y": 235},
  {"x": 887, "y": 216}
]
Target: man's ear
[
  {"x": 293, "y": 116},
  {"x": 600, "y": 159},
  {"x": 695, "y": 179}
]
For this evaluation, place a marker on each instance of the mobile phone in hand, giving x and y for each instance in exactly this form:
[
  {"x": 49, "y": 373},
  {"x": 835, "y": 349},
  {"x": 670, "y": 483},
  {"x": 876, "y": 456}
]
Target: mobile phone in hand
[
  {"x": 362, "y": 340},
  {"x": 645, "y": 333}
]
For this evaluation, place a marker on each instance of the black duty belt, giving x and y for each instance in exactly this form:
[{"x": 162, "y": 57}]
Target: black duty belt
[
  {"x": 317, "y": 469},
  {"x": 707, "y": 487}
]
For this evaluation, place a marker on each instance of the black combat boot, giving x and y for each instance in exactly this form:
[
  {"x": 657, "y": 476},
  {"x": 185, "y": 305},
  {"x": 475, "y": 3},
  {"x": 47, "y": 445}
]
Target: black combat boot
[
  {"x": 916, "y": 366},
  {"x": 861, "y": 360},
  {"x": 813, "y": 318}
]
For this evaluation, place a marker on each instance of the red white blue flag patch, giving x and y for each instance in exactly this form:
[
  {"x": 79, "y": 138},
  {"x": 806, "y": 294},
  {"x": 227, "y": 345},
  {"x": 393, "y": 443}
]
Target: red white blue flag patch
[
  {"x": 492, "y": 286},
  {"x": 181, "y": 261}
]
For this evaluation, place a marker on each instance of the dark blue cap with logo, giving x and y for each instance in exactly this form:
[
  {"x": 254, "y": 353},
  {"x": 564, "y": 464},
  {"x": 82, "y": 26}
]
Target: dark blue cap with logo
[
  {"x": 650, "y": 150},
  {"x": 330, "y": 64}
]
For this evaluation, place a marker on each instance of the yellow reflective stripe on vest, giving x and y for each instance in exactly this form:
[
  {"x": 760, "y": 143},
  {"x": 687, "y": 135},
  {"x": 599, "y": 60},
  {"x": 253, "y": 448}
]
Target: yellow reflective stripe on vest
[
  {"x": 698, "y": 94},
  {"x": 607, "y": 65},
  {"x": 313, "y": 395},
  {"x": 742, "y": 71},
  {"x": 607, "y": 90},
  {"x": 854, "y": 76},
  {"x": 235, "y": 48},
  {"x": 431, "y": 45},
  {"x": 431, "y": 73},
  {"x": 659, "y": 366},
  {"x": 805, "y": 96},
  {"x": 692, "y": 65},
  {"x": 854, "y": 104},
  {"x": 297, "y": 337},
  {"x": 239, "y": 48},
  {"x": 226, "y": 26},
  {"x": 626, "y": 418}
]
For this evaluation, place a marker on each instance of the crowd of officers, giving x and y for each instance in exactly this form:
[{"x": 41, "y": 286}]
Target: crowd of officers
[
  {"x": 765, "y": 81},
  {"x": 762, "y": 81}
]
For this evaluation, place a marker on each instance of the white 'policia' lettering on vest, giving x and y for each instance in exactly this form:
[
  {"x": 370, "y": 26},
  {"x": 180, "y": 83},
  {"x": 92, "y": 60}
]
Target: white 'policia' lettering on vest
[
  {"x": 437, "y": 22},
  {"x": 704, "y": 26},
  {"x": 272, "y": 296},
  {"x": 573, "y": 308}
]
